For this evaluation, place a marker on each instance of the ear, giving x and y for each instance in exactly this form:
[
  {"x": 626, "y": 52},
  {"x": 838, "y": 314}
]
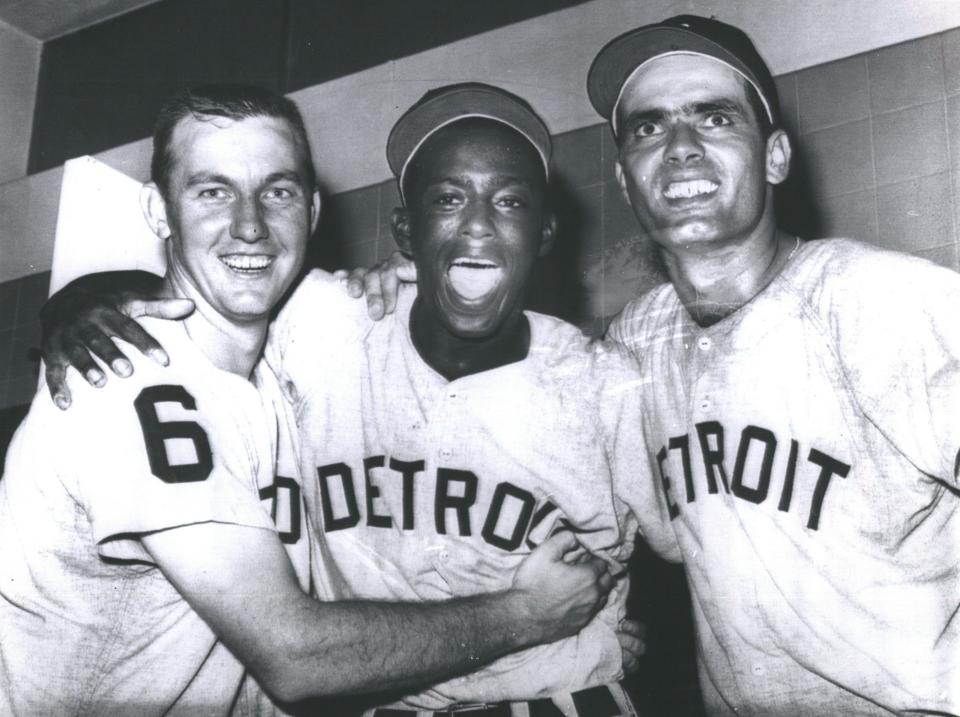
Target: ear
[
  {"x": 621, "y": 179},
  {"x": 548, "y": 233},
  {"x": 779, "y": 153},
  {"x": 315, "y": 205},
  {"x": 400, "y": 226},
  {"x": 154, "y": 210}
]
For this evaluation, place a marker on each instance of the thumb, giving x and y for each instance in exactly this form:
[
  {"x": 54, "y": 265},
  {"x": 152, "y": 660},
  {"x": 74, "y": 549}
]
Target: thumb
[
  {"x": 160, "y": 308},
  {"x": 407, "y": 273},
  {"x": 559, "y": 544}
]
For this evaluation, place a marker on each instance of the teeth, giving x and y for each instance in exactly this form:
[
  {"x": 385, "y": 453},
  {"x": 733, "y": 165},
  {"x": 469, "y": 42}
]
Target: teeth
[
  {"x": 247, "y": 262},
  {"x": 474, "y": 278},
  {"x": 475, "y": 263},
  {"x": 694, "y": 188}
]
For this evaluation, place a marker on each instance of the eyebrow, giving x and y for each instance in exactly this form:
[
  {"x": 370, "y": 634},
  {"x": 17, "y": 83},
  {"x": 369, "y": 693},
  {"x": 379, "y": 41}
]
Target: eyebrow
[
  {"x": 498, "y": 179},
  {"x": 214, "y": 178},
  {"x": 207, "y": 178},
  {"x": 288, "y": 175},
  {"x": 701, "y": 107}
]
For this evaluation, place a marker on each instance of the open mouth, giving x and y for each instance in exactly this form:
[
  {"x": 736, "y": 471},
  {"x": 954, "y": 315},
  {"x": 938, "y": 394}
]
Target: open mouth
[
  {"x": 247, "y": 263},
  {"x": 473, "y": 279},
  {"x": 690, "y": 189}
]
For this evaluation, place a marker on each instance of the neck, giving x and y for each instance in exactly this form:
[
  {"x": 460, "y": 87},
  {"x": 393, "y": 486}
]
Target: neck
[
  {"x": 716, "y": 280},
  {"x": 230, "y": 346},
  {"x": 454, "y": 357}
]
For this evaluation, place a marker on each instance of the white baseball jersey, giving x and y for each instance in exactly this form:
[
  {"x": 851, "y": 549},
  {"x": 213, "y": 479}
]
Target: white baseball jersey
[
  {"x": 88, "y": 624},
  {"x": 807, "y": 448},
  {"x": 431, "y": 489}
]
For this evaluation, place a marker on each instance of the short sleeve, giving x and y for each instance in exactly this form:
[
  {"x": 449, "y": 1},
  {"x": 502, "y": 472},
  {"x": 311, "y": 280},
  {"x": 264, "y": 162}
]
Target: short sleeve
[
  {"x": 893, "y": 320},
  {"x": 620, "y": 410},
  {"x": 155, "y": 456}
]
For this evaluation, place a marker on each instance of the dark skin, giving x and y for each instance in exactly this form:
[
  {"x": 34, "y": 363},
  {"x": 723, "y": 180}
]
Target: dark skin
[{"x": 475, "y": 207}]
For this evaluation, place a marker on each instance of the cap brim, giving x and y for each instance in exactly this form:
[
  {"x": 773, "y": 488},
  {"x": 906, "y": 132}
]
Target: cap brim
[
  {"x": 621, "y": 57},
  {"x": 419, "y": 123}
]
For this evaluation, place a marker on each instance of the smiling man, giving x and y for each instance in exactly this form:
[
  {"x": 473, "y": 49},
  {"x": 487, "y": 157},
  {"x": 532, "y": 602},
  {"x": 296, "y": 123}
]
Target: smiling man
[
  {"x": 162, "y": 553},
  {"x": 803, "y": 401}
]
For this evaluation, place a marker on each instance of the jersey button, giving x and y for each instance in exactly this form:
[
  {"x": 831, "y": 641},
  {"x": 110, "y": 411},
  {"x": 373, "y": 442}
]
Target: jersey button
[
  {"x": 704, "y": 343},
  {"x": 445, "y": 453},
  {"x": 705, "y": 404}
]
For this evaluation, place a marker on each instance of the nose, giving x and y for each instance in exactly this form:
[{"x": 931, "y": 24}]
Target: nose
[
  {"x": 248, "y": 224},
  {"x": 477, "y": 223},
  {"x": 683, "y": 145}
]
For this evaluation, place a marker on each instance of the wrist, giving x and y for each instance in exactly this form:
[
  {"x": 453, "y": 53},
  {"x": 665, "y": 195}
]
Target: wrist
[{"x": 519, "y": 617}]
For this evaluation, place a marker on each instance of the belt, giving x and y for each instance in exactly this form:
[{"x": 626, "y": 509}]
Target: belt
[{"x": 590, "y": 702}]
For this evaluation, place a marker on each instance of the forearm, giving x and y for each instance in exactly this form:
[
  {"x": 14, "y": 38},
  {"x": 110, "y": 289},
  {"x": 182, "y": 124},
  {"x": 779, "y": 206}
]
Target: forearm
[
  {"x": 242, "y": 584},
  {"x": 354, "y": 647},
  {"x": 108, "y": 287}
]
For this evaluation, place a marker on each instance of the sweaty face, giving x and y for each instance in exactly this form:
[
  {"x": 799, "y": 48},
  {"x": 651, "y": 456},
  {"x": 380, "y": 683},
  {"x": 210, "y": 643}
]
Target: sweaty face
[
  {"x": 692, "y": 157},
  {"x": 238, "y": 211},
  {"x": 476, "y": 224}
]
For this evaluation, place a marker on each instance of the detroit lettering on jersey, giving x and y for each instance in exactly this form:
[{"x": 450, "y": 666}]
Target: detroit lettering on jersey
[
  {"x": 510, "y": 520},
  {"x": 702, "y": 461}
]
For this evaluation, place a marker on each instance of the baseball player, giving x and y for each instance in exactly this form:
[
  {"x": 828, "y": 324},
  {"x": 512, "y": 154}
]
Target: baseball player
[
  {"x": 162, "y": 551},
  {"x": 801, "y": 404},
  {"x": 459, "y": 432}
]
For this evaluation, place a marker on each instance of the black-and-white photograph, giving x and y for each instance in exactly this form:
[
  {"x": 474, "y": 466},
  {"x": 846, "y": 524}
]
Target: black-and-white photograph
[{"x": 551, "y": 358}]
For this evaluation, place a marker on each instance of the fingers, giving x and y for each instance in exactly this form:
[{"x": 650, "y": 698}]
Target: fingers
[
  {"x": 159, "y": 308},
  {"x": 407, "y": 271},
  {"x": 57, "y": 385},
  {"x": 559, "y": 544},
  {"x": 606, "y": 579},
  {"x": 354, "y": 281},
  {"x": 372, "y": 288},
  {"x": 78, "y": 357},
  {"x": 634, "y": 628},
  {"x": 630, "y": 635},
  {"x": 389, "y": 288},
  {"x": 96, "y": 342},
  {"x": 133, "y": 333}
]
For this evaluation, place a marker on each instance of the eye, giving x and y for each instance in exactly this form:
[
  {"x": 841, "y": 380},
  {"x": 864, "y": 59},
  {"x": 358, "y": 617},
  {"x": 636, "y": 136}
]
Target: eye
[
  {"x": 447, "y": 199},
  {"x": 646, "y": 129},
  {"x": 510, "y": 201},
  {"x": 716, "y": 119},
  {"x": 280, "y": 193},
  {"x": 213, "y": 193}
]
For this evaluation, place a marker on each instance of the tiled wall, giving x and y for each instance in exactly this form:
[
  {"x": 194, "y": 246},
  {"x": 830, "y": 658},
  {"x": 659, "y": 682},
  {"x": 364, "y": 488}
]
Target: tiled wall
[
  {"x": 20, "y": 302},
  {"x": 877, "y": 141}
]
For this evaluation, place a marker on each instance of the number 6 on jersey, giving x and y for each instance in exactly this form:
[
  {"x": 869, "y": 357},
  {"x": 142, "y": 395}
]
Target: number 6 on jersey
[{"x": 157, "y": 433}]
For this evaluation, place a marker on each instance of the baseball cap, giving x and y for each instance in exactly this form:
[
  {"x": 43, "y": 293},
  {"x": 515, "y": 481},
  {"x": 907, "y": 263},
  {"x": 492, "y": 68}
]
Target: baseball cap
[
  {"x": 618, "y": 62},
  {"x": 442, "y": 106}
]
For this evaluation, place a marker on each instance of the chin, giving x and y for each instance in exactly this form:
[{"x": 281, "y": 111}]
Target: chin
[{"x": 248, "y": 311}]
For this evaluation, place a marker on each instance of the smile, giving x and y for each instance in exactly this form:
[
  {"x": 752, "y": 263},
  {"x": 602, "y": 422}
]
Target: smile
[
  {"x": 691, "y": 188},
  {"x": 472, "y": 278},
  {"x": 247, "y": 263}
]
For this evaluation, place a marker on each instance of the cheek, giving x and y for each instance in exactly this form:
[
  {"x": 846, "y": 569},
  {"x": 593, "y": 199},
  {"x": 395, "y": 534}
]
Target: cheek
[{"x": 638, "y": 175}]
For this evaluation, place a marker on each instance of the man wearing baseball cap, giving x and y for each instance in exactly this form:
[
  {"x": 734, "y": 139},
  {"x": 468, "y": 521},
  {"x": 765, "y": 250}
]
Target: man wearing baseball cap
[
  {"x": 802, "y": 400},
  {"x": 457, "y": 433}
]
